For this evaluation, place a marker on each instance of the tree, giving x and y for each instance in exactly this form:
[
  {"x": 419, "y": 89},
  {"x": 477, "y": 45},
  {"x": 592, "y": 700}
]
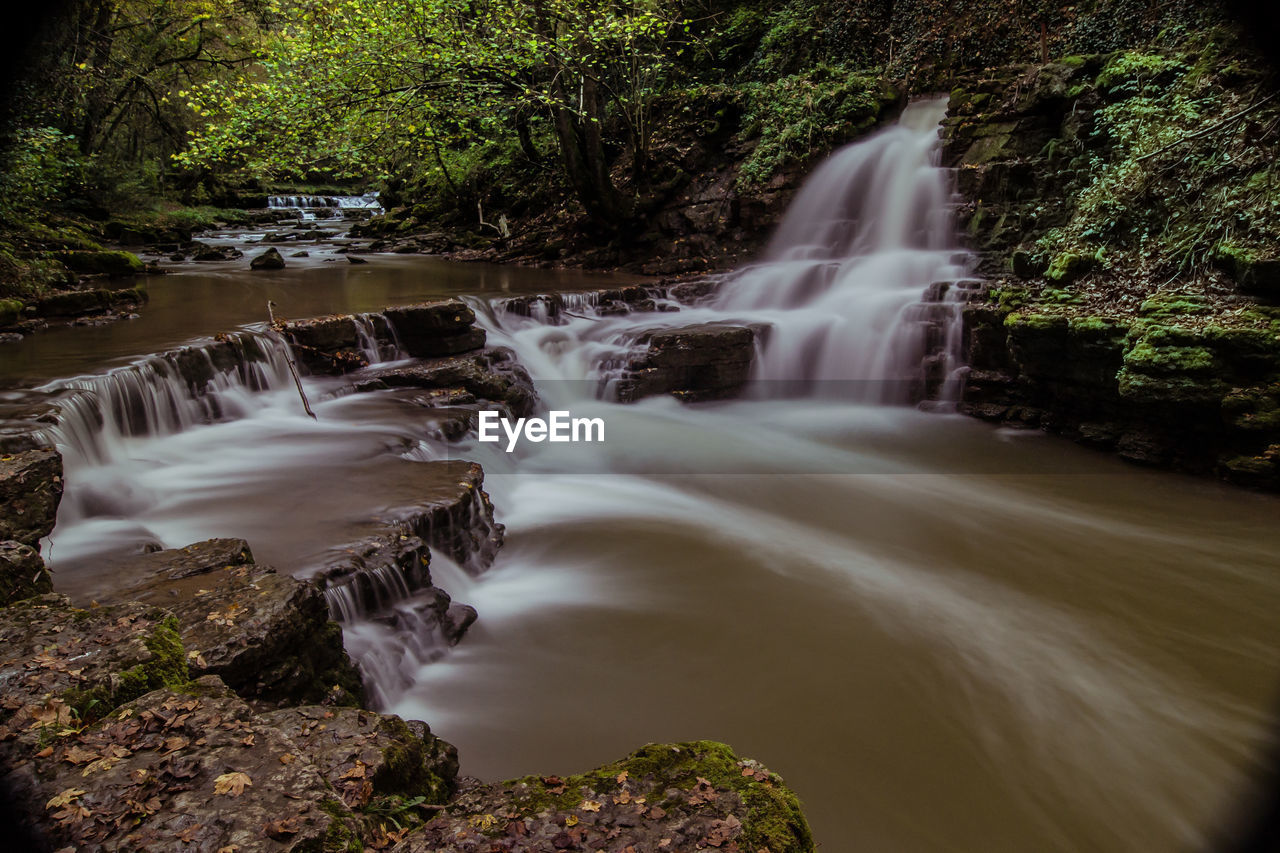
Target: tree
[{"x": 364, "y": 86}]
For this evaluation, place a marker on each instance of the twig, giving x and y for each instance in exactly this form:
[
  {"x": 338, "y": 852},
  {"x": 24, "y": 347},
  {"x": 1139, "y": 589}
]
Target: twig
[
  {"x": 288, "y": 357},
  {"x": 1208, "y": 130}
]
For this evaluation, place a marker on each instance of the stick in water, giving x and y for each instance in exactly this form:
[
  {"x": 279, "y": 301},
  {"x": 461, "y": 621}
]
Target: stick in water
[{"x": 288, "y": 357}]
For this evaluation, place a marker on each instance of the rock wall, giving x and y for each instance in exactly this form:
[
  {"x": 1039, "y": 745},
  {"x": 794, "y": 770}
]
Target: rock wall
[
  {"x": 1095, "y": 322},
  {"x": 30, "y": 490}
]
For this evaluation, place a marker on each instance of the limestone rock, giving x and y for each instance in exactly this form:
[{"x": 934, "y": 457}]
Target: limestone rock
[
  {"x": 30, "y": 489},
  {"x": 663, "y": 797},
  {"x": 433, "y": 329},
  {"x": 492, "y": 374},
  {"x": 268, "y": 260},
  {"x": 366, "y": 756},
  {"x": 22, "y": 572},
  {"x": 181, "y": 770},
  {"x": 701, "y": 362},
  {"x": 59, "y": 663},
  {"x": 267, "y": 635}
]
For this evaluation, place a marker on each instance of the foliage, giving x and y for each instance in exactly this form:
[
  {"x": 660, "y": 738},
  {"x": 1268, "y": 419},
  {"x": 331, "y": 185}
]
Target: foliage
[
  {"x": 799, "y": 113},
  {"x": 369, "y": 87}
]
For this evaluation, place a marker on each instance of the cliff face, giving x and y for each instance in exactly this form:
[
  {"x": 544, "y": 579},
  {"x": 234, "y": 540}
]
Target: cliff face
[{"x": 1125, "y": 208}]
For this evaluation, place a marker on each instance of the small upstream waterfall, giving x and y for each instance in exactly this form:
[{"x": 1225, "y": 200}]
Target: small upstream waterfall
[
  {"x": 858, "y": 296},
  {"x": 336, "y": 205}
]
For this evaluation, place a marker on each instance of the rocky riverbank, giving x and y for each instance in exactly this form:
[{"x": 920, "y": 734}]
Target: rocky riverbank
[
  {"x": 203, "y": 699},
  {"x": 1122, "y": 308}
]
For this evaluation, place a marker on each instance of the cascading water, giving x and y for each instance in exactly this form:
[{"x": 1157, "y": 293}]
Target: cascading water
[
  {"x": 858, "y": 295},
  {"x": 902, "y": 613},
  {"x": 337, "y": 205}
]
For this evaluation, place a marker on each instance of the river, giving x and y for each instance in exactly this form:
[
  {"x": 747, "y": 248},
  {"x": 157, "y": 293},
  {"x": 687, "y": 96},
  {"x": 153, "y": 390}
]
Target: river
[{"x": 944, "y": 635}]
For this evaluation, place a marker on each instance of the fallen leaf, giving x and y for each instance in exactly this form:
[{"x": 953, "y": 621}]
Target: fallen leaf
[
  {"x": 232, "y": 783},
  {"x": 571, "y": 820},
  {"x": 64, "y": 799},
  {"x": 189, "y": 834},
  {"x": 175, "y": 743},
  {"x": 280, "y": 830},
  {"x": 357, "y": 772},
  {"x": 590, "y": 806},
  {"x": 622, "y": 777},
  {"x": 287, "y": 758},
  {"x": 723, "y": 831}
]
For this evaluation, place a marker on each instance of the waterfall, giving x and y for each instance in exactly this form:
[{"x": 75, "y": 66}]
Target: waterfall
[
  {"x": 338, "y": 204},
  {"x": 162, "y": 395},
  {"x": 858, "y": 295}
]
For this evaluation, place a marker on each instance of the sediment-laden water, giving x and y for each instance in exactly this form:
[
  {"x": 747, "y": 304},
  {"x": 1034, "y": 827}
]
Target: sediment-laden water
[{"x": 946, "y": 636}]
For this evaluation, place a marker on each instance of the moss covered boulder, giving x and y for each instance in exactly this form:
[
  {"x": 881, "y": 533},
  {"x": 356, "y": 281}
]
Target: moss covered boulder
[
  {"x": 265, "y": 634},
  {"x": 10, "y": 312},
  {"x": 102, "y": 263},
  {"x": 684, "y": 796}
]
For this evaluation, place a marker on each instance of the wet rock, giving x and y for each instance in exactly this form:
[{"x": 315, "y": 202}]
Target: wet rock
[
  {"x": 30, "y": 490},
  {"x": 356, "y": 259},
  {"x": 59, "y": 663},
  {"x": 701, "y": 362},
  {"x": 492, "y": 375},
  {"x": 267, "y": 635},
  {"x": 435, "y": 329},
  {"x": 300, "y": 255},
  {"x": 194, "y": 769},
  {"x": 209, "y": 253},
  {"x": 456, "y": 620},
  {"x": 367, "y": 756},
  {"x": 268, "y": 260},
  {"x": 454, "y": 515},
  {"x": 687, "y": 796},
  {"x": 22, "y": 572}
]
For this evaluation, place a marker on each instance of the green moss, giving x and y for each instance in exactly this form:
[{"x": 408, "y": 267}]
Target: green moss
[
  {"x": 1177, "y": 389},
  {"x": 1075, "y": 61},
  {"x": 1094, "y": 326},
  {"x": 1173, "y": 304},
  {"x": 1146, "y": 357},
  {"x": 10, "y": 311},
  {"x": 773, "y": 817},
  {"x": 795, "y": 117},
  {"x": 1253, "y": 409},
  {"x": 339, "y": 837},
  {"x": 102, "y": 263},
  {"x": 407, "y": 770},
  {"x": 1131, "y": 66},
  {"x": 167, "y": 668},
  {"x": 1036, "y": 322},
  {"x": 1066, "y": 267}
]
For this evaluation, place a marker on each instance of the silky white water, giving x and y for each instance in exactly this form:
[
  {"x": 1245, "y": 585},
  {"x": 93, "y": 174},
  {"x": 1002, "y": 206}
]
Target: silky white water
[{"x": 944, "y": 636}]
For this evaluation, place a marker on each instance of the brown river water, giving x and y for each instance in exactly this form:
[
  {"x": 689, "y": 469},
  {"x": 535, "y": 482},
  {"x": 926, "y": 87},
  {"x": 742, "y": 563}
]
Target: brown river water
[{"x": 946, "y": 636}]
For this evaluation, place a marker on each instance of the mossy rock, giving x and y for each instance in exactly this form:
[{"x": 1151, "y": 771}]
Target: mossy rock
[
  {"x": 1253, "y": 409},
  {"x": 10, "y": 311},
  {"x": 1254, "y": 271},
  {"x": 1175, "y": 304},
  {"x": 697, "y": 795},
  {"x": 1154, "y": 360},
  {"x": 112, "y": 264},
  {"x": 1067, "y": 267}
]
